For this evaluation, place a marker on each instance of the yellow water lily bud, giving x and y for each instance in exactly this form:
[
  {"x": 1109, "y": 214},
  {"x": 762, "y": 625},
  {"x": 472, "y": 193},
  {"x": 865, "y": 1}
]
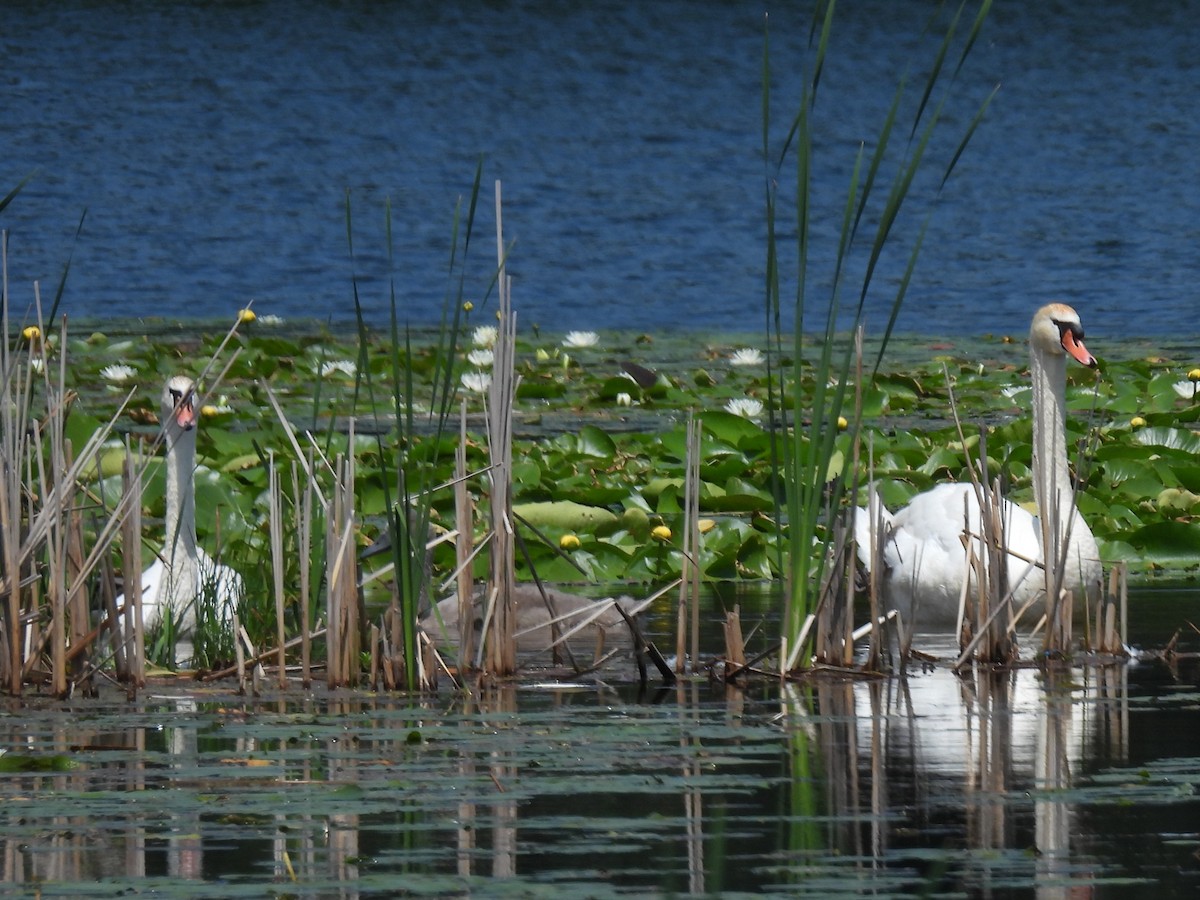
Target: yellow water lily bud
[
  {"x": 1137, "y": 422},
  {"x": 569, "y": 542},
  {"x": 706, "y": 525},
  {"x": 842, "y": 423},
  {"x": 32, "y": 334},
  {"x": 1194, "y": 375},
  {"x": 661, "y": 533},
  {"x": 468, "y": 306},
  {"x": 208, "y": 411},
  {"x": 246, "y": 316}
]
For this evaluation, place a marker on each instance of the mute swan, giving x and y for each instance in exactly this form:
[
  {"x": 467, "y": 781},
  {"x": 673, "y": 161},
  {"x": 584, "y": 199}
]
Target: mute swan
[
  {"x": 923, "y": 551},
  {"x": 183, "y": 571}
]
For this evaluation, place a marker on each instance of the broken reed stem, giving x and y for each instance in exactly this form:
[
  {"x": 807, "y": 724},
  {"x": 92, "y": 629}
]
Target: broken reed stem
[
  {"x": 502, "y": 648},
  {"x": 129, "y": 636},
  {"x": 343, "y": 642},
  {"x": 687, "y": 644},
  {"x": 463, "y": 551},
  {"x": 78, "y": 614},
  {"x": 275, "y": 524},
  {"x": 60, "y": 464},
  {"x": 303, "y": 518},
  {"x": 991, "y": 638},
  {"x": 735, "y": 646}
]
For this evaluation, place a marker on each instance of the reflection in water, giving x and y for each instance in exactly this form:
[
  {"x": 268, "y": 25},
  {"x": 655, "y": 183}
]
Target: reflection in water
[{"x": 889, "y": 785}]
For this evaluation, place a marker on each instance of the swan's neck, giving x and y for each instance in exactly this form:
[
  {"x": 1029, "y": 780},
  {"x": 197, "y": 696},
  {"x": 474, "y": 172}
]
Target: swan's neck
[
  {"x": 179, "y": 549},
  {"x": 1051, "y": 474}
]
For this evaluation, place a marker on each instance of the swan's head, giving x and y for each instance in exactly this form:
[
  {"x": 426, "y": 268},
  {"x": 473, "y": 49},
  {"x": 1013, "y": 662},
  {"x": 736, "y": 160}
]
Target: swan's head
[
  {"x": 179, "y": 404},
  {"x": 1056, "y": 330}
]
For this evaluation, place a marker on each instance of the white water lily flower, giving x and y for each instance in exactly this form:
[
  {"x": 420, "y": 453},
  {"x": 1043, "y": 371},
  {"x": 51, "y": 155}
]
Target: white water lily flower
[
  {"x": 344, "y": 366},
  {"x": 746, "y": 407},
  {"x": 624, "y": 399},
  {"x": 37, "y": 364},
  {"x": 1011, "y": 391},
  {"x": 481, "y": 358},
  {"x": 578, "y": 339},
  {"x": 118, "y": 373},
  {"x": 477, "y": 382},
  {"x": 485, "y": 336},
  {"x": 747, "y": 356},
  {"x": 1185, "y": 389},
  {"x": 270, "y": 319}
]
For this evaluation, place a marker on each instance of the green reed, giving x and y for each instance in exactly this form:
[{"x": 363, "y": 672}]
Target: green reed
[
  {"x": 421, "y": 423},
  {"x": 809, "y": 456}
]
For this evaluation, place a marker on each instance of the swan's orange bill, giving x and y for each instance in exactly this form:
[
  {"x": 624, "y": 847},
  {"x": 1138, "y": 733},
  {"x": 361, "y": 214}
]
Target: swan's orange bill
[
  {"x": 1076, "y": 349},
  {"x": 185, "y": 413}
]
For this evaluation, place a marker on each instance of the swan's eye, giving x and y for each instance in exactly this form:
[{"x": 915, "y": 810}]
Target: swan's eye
[
  {"x": 179, "y": 398},
  {"x": 1073, "y": 327}
]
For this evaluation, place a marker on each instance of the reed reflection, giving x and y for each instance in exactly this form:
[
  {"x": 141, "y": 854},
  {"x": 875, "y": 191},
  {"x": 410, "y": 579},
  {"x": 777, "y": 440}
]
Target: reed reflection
[{"x": 885, "y": 772}]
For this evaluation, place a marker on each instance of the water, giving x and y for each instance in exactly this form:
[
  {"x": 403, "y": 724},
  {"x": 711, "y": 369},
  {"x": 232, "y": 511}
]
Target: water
[
  {"x": 213, "y": 146},
  {"x": 1000, "y": 784}
]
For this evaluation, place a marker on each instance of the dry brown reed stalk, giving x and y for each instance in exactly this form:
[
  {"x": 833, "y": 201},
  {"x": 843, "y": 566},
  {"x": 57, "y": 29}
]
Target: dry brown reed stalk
[
  {"x": 882, "y": 624},
  {"x": 874, "y": 658},
  {"x": 464, "y": 524},
  {"x": 343, "y": 642},
  {"x": 687, "y": 641},
  {"x": 1104, "y": 625},
  {"x": 735, "y": 645},
  {"x": 58, "y": 588},
  {"x": 278, "y": 563},
  {"x": 501, "y": 645},
  {"x": 833, "y": 617},
  {"x": 45, "y": 575},
  {"x": 78, "y": 614},
  {"x": 986, "y": 621},
  {"x": 131, "y": 628},
  {"x": 304, "y": 533}
]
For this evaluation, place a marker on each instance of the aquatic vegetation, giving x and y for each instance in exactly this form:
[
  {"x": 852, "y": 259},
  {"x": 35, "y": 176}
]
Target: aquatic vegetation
[
  {"x": 339, "y": 367},
  {"x": 569, "y": 450},
  {"x": 577, "y": 340},
  {"x": 747, "y": 356},
  {"x": 484, "y": 336},
  {"x": 118, "y": 373},
  {"x": 746, "y": 407},
  {"x": 807, "y": 455},
  {"x": 481, "y": 358}
]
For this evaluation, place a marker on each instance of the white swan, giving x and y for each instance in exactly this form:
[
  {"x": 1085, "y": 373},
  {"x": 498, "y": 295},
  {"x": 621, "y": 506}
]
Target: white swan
[
  {"x": 923, "y": 550},
  {"x": 183, "y": 571}
]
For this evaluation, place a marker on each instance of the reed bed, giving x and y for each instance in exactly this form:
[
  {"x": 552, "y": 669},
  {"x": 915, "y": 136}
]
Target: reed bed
[{"x": 819, "y": 577}]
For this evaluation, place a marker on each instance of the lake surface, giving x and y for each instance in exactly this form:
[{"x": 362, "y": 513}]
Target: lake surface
[
  {"x": 214, "y": 145},
  {"x": 1022, "y": 784}
]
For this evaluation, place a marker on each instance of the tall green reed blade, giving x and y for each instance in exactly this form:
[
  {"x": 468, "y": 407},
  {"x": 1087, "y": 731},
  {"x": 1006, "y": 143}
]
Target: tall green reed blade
[
  {"x": 11, "y": 195},
  {"x": 419, "y": 436},
  {"x": 808, "y": 456}
]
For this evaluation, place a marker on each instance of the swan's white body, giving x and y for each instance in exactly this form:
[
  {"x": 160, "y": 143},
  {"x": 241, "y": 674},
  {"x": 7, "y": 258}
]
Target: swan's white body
[
  {"x": 183, "y": 571},
  {"x": 923, "y": 551}
]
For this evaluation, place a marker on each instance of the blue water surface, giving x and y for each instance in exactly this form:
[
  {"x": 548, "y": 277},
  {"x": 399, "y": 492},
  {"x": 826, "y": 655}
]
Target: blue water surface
[{"x": 215, "y": 146}]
